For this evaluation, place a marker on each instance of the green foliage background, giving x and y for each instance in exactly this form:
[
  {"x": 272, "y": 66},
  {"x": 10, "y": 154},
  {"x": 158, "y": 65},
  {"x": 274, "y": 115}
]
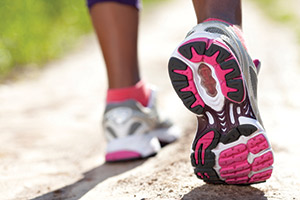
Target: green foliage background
[
  {"x": 282, "y": 11},
  {"x": 35, "y": 31}
]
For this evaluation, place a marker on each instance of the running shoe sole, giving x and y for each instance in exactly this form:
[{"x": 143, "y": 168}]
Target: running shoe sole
[
  {"x": 132, "y": 148},
  {"x": 231, "y": 146},
  {"x": 136, "y": 147}
]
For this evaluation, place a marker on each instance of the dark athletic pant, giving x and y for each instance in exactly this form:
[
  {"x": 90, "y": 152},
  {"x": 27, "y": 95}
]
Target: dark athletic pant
[{"x": 135, "y": 3}]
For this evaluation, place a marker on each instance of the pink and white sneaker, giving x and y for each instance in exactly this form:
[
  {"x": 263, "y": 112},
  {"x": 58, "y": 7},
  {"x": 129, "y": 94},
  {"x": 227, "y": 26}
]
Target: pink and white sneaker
[
  {"x": 133, "y": 131},
  {"x": 213, "y": 74}
]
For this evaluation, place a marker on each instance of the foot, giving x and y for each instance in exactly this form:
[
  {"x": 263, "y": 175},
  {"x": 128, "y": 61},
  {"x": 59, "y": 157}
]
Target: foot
[
  {"x": 134, "y": 131},
  {"x": 216, "y": 79}
]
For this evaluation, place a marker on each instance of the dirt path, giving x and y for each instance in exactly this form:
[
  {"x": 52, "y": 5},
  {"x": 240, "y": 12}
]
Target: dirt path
[{"x": 51, "y": 146}]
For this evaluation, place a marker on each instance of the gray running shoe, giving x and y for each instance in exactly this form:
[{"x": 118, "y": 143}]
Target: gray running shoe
[
  {"x": 134, "y": 131},
  {"x": 213, "y": 74}
]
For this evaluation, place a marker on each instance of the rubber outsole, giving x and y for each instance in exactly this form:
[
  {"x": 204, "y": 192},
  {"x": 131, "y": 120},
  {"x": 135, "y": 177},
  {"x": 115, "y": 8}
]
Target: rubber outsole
[
  {"x": 225, "y": 150},
  {"x": 233, "y": 161},
  {"x": 179, "y": 72}
]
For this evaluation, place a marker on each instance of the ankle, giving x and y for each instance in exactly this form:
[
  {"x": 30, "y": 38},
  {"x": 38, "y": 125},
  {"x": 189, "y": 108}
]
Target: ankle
[{"x": 139, "y": 92}]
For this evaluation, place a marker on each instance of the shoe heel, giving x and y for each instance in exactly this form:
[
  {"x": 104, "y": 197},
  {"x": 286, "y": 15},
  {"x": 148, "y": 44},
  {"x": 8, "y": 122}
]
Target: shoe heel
[{"x": 201, "y": 69}]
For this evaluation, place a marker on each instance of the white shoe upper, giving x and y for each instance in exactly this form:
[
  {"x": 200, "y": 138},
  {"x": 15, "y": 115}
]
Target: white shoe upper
[{"x": 129, "y": 126}]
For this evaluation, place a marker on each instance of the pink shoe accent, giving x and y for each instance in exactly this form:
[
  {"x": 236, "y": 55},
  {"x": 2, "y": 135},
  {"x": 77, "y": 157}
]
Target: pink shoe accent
[
  {"x": 233, "y": 169},
  {"x": 263, "y": 161},
  {"x": 239, "y": 33},
  {"x": 212, "y": 60},
  {"x": 261, "y": 176},
  {"x": 256, "y": 62},
  {"x": 237, "y": 30},
  {"x": 233, "y": 151},
  {"x": 206, "y": 40},
  {"x": 206, "y": 175},
  {"x": 122, "y": 155},
  {"x": 258, "y": 144},
  {"x": 241, "y": 173},
  {"x": 192, "y": 88},
  {"x": 239, "y": 180},
  {"x": 139, "y": 92},
  {"x": 196, "y": 58},
  {"x": 234, "y": 164},
  {"x": 199, "y": 174},
  {"x": 233, "y": 155},
  {"x": 204, "y": 141}
]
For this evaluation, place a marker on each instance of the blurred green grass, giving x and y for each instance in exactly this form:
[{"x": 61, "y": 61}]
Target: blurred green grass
[
  {"x": 282, "y": 11},
  {"x": 33, "y": 32},
  {"x": 36, "y": 31},
  {"x": 276, "y": 9}
]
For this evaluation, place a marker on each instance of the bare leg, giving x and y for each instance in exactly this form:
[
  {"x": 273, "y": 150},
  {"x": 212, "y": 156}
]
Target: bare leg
[
  {"x": 116, "y": 26},
  {"x": 228, "y": 10}
]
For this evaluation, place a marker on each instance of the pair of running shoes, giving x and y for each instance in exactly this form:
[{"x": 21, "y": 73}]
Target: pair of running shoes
[{"x": 216, "y": 79}]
